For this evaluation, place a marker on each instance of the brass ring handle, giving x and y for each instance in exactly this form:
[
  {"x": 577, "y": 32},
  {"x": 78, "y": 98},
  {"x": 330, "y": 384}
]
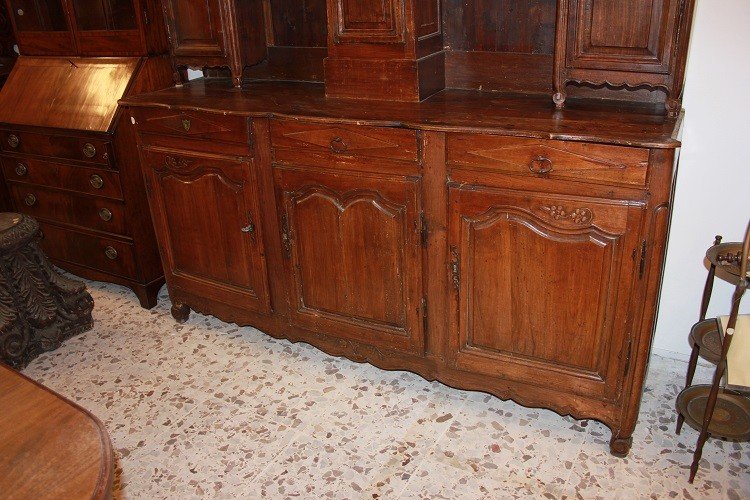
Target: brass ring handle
[
  {"x": 21, "y": 169},
  {"x": 105, "y": 215},
  {"x": 338, "y": 145},
  {"x": 13, "y": 140},
  {"x": 541, "y": 165},
  {"x": 30, "y": 200},
  {"x": 89, "y": 151},
  {"x": 111, "y": 253},
  {"x": 96, "y": 182}
]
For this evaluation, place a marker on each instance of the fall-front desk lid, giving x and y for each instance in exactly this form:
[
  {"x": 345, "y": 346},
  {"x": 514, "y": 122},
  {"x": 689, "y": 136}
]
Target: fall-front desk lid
[{"x": 66, "y": 92}]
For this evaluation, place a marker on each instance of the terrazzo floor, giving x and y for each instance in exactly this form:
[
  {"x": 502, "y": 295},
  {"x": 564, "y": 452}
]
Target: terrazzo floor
[{"x": 207, "y": 409}]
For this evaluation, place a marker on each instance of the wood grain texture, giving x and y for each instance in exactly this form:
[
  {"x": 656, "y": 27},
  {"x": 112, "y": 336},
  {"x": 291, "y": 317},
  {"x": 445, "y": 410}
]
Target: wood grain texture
[
  {"x": 52, "y": 448},
  {"x": 451, "y": 110},
  {"x": 77, "y": 94}
]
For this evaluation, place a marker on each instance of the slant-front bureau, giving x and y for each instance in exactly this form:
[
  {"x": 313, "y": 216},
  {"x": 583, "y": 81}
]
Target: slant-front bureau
[{"x": 68, "y": 158}]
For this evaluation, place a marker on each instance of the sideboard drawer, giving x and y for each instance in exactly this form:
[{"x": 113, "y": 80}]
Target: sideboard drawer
[
  {"x": 96, "y": 181},
  {"x": 85, "y": 211},
  {"x": 596, "y": 163},
  {"x": 86, "y": 149},
  {"x": 321, "y": 143},
  {"x": 108, "y": 255},
  {"x": 194, "y": 131}
]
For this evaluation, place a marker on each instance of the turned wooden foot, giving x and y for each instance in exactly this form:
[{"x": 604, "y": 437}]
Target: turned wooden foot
[
  {"x": 180, "y": 312},
  {"x": 620, "y": 446}
]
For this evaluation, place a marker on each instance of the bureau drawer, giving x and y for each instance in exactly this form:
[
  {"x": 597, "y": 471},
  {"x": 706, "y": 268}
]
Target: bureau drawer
[
  {"x": 194, "y": 131},
  {"x": 94, "y": 181},
  {"x": 596, "y": 163},
  {"x": 321, "y": 144},
  {"x": 86, "y": 149},
  {"x": 86, "y": 211},
  {"x": 103, "y": 254}
]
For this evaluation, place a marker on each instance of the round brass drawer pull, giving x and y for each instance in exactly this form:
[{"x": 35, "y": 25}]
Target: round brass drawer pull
[
  {"x": 96, "y": 182},
  {"x": 111, "y": 253},
  {"x": 13, "y": 140},
  {"x": 21, "y": 169},
  {"x": 105, "y": 215},
  {"x": 30, "y": 200},
  {"x": 541, "y": 165},
  {"x": 89, "y": 151}
]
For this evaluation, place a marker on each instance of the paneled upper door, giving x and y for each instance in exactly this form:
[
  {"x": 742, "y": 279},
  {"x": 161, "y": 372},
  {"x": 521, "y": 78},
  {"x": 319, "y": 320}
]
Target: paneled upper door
[
  {"x": 196, "y": 27},
  {"x": 207, "y": 218},
  {"x": 368, "y": 21},
  {"x": 619, "y": 35},
  {"x": 354, "y": 255},
  {"x": 542, "y": 286}
]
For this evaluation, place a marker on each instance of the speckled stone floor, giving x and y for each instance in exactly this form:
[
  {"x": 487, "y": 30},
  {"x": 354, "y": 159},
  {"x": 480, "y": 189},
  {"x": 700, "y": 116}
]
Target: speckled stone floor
[{"x": 208, "y": 409}]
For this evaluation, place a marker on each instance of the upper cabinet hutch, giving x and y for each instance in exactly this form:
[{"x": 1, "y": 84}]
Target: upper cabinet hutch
[{"x": 67, "y": 151}]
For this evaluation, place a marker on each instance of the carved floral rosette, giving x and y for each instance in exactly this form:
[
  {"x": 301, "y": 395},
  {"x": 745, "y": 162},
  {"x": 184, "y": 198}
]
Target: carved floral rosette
[{"x": 39, "y": 307}]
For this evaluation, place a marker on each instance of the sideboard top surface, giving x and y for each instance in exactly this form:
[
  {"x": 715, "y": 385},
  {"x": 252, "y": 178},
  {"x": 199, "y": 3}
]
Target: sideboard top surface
[{"x": 523, "y": 115}]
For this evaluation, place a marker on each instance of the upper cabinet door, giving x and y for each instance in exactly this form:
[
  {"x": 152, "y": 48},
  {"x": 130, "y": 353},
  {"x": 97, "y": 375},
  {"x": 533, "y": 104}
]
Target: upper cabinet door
[
  {"x": 632, "y": 35},
  {"x": 41, "y": 27},
  {"x": 542, "y": 286},
  {"x": 354, "y": 256},
  {"x": 111, "y": 27},
  {"x": 368, "y": 22},
  {"x": 195, "y": 27}
]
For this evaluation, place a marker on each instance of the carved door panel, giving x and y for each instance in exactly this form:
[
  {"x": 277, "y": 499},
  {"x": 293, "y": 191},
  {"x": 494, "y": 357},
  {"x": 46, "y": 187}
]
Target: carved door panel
[
  {"x": 207, "y": 220},
  {"x": 637, "y": 35},
  {"x": 195, "y": 27},
  {"x": 542, "y": 285},
  {"x": 358, "y": 21},
  {"x": 354, "y": 254}
]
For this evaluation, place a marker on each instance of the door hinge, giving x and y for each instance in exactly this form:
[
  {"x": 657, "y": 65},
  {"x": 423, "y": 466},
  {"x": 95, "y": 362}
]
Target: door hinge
[
  {"x": 455, "y": 269},
  {"x": 424, "y": 231},
  {"x": 642, "y": 266},
  {"x": 627, "y": 357},
  {"x": 286, "y": 239},
  {"x": 424, "y": 314}
]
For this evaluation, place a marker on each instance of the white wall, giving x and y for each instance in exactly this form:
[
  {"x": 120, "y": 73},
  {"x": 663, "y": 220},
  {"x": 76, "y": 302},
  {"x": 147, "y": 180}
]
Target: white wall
[{"x": 713, "y": 181}]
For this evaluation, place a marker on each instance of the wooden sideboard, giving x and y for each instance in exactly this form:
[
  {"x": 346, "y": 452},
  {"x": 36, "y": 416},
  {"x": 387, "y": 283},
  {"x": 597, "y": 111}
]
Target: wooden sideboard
[{"x": 485, "y": 240}]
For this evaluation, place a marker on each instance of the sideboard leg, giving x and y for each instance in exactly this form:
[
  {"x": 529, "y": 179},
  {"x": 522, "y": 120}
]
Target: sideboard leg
[
  {"x": 619, "y": 446},
  {"x": 180, "y": 312}
]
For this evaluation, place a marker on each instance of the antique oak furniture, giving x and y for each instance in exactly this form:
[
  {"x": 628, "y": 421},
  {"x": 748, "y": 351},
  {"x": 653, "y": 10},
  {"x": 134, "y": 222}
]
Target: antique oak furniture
[
  {"x": 39, "y": 308},
  {"x": 713, "y": 410},
  {"x": 68, "y": 152},
  {"x": 415, "y": 199},
  {"x": 51, "y": 447}
]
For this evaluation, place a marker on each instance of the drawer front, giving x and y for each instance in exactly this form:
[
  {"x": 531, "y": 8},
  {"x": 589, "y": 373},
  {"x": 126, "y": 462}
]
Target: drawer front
[
  {"x": 595, "y": 163},
  {"x": 324, "y": 144},
  {"x": 87, "y": 180},
  {"x": 103, "y": 254},
  {"x": 193, "y": 131},
  {"x": 85, "y": 211},
  {"x": 86, "y": 149}
]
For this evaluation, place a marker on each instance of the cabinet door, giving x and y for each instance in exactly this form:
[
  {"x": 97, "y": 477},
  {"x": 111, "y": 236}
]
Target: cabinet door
[
  {"x": 542, "y": 286},
  {"x": 41, "y": 27},
  {"x": 633, "y": 35},
  {"x": 207, "y": 220},
  {"x": 195, "y": 28},
  {"x": 355, "y": 258},
  {"x": 108, "y": 27}
]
